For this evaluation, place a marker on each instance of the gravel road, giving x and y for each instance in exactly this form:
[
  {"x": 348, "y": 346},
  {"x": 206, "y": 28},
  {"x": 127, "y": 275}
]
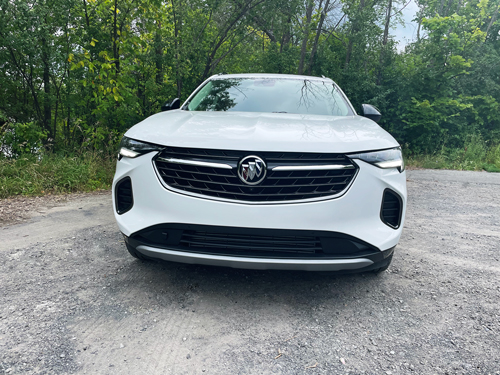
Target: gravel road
[{"x": 73, "y": 301}]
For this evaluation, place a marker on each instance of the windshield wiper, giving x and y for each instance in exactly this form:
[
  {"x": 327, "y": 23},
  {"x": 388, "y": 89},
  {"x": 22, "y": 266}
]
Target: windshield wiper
[{"x": 279, "y": 112}]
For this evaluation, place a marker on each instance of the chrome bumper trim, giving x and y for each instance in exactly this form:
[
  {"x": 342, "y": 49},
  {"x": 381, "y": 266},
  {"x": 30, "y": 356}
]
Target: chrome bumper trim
[
  {"x": 312, "y": 167},
  {"x": 255, "y": 263}
]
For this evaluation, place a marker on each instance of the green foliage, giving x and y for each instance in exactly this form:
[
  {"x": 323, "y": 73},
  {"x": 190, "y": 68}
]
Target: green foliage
[
  {"x": 55, "y": 174},
  {"x": 21, "y": 139},
  {"x": 475, "y": 155}
]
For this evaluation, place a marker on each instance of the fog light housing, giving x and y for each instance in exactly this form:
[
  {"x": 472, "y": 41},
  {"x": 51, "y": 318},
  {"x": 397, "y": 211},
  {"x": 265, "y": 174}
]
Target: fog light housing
[{"x": 124, "y": 198}]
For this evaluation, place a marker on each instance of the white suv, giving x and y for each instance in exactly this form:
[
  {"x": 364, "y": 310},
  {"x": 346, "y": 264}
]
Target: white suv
[{"x": 262, "y": 171}]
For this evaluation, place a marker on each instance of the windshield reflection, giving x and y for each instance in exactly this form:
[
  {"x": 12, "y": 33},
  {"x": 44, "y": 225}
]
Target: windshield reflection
[{"x": 299, "y": 96}]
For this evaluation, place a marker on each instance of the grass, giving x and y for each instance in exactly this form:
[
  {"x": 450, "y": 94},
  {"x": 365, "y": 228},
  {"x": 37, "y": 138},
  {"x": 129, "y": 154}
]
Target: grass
[
  {"x": 55, "y": 174},
  {"x": 475, "y": 156}
]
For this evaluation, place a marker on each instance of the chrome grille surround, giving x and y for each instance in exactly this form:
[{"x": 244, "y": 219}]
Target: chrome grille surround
[{"x": 292, "y": 177}]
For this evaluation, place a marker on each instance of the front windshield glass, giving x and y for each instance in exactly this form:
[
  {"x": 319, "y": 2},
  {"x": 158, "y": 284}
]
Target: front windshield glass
[{"x": 302, "y": 96}]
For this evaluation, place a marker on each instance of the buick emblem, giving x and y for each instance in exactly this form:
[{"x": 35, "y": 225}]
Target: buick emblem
[{"x": 252, "y": 170}]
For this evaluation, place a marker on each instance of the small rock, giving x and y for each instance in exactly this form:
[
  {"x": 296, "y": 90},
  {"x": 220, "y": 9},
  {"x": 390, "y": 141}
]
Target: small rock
[
  {"x": 188, "y": 356},
  {"x": 122, "y": 346},
  {"x": 342, "y": 360},
  {"x": 184, "y": 339},
  {"x": 62, "y": 355}
]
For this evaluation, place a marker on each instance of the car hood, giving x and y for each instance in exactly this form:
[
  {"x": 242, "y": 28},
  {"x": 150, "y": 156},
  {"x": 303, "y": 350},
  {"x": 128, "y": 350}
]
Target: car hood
[{"x": 255, "y": 131}]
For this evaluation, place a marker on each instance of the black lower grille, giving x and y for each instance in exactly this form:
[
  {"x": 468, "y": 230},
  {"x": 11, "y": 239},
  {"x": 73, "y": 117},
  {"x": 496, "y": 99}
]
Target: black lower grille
[
  {"x": 123, "y": 195},
  {"x": 391, "y": 209},
  {"x": 252, "y": 242},
  {"x": 248, "y": 243},
  {"x": 278, "y": 185}
]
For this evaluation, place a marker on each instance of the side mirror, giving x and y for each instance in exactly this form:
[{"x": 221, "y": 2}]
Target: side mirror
[
  {"x": 174, "y": 104},
  {"x": 371, "y": 112}
]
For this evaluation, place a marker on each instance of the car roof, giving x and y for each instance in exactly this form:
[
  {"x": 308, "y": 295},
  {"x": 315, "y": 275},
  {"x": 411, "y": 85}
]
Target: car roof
[{"x": 270, "y": 76}]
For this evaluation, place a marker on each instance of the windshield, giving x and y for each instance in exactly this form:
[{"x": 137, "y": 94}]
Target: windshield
[{"x": 302, "y": 96}]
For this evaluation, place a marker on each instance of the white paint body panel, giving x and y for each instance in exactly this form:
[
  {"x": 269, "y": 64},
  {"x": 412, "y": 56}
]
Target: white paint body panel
[{"x": 255, "y": 131}]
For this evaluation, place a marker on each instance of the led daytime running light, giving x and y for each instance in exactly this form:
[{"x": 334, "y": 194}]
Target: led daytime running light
[
  {"x": 132, "y": 148},
  {"x": 385, "y": 159},
  {"x": 128, "y": 153}
]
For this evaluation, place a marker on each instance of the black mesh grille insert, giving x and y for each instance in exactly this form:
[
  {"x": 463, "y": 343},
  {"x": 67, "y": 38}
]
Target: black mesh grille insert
[
  {"x": 250, "y": 243},
  {"x": 123, "y": 195},
  {"x": 277, "y": 186},
  {"x": 391, "y": 209}
]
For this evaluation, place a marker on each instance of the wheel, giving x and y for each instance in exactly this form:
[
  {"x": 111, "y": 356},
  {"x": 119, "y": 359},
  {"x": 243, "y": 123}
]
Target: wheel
[
  {"x": 387, "y": 263},
  {"x": 134, "y": 252}
]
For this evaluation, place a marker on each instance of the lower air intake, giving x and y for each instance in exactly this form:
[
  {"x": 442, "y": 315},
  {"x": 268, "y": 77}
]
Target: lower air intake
[
  {"x": 123, "y": 195},
  {"x": 392, "y": 207},
  {"x": 250, "y": 243}
]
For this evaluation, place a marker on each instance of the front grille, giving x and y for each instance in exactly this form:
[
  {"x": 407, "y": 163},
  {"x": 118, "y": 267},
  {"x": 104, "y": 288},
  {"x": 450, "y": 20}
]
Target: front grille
[
  {"x": 282, "y": 185},
  {"x": 196, "y": 240},
  {"x": 391, "y": 209}
]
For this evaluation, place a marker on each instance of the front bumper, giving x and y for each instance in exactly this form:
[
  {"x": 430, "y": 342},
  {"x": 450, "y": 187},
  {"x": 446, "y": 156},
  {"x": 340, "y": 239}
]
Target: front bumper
[
  {"x": 356, "y": 264},
  {"x": 355, "y": 214}
]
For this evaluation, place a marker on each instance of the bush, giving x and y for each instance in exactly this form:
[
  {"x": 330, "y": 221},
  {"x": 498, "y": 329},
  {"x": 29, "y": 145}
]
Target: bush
[
  {"x": 475, "y": 155},
  {"x": 21, "y": 139},
  {"x": 51, "y": 173}
]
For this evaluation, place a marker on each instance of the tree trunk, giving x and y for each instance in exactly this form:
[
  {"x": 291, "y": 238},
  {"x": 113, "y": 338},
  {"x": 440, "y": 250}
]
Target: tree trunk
[
  {"x": 492, "y": 21},
  {"x": 116, "y": 53},
  {"x": 141, "y": 94},
  {"x": 354, "y": 31},
  {"x": 223, "y": 35},
  {"x": 303, "y": 49},
  {"x": 286, "y": 35},
  {"x": 385, "y": 39},
  {"x": 177, "y": 45},
  {"x": 441, "y": 6},
  {"x": 46, "y": 120},
  {"x": 418, "y": 29},
  {"x": 87, "y": 20},
  {"x": 159, "y": 55},
  {"x": 318, "y": 33}
]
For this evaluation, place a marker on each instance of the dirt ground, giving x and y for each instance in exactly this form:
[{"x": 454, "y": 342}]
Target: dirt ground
[{"x": 73, "y": 301}]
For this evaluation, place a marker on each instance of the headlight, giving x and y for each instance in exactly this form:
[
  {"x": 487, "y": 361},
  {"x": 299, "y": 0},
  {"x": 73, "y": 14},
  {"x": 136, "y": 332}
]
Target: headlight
[
  {"x": 392, "y": 158},
  {"x": 131, "y": 148}
]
